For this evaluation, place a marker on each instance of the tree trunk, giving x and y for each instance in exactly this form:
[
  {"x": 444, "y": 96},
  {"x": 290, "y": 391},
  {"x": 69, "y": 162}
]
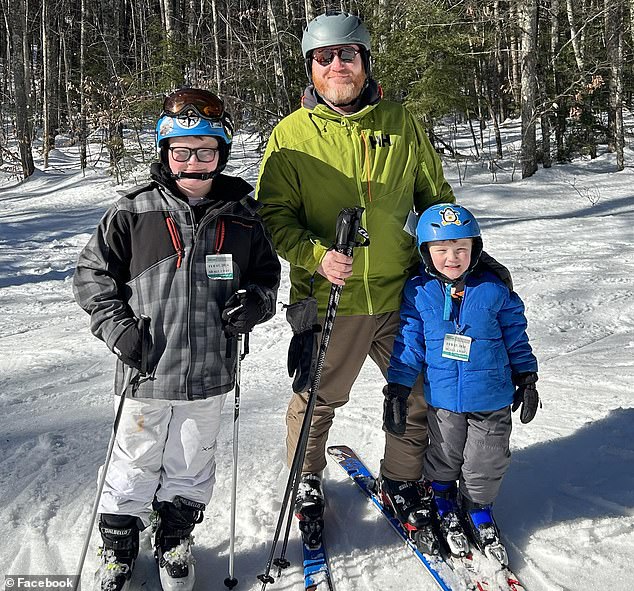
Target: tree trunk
[
  {"x": 21, "y": 88},
  {"x": 217, "y": 71},
  {"x": 529, "y": 87},
  {"x": 82, "y": 88},
  {"x": 282, "y": 105},
  {"x": 575, "y": 36},
  {"x": 614, "y": 46},
  {"x": 309, "y": 10},
  {"x": 50, "y": 60},
  {"x": 515, "y": 56}
]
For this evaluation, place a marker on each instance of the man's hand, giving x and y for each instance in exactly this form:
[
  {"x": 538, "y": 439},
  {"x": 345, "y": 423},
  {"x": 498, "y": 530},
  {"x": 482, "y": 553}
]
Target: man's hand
[{"x": 336, "y": 267}]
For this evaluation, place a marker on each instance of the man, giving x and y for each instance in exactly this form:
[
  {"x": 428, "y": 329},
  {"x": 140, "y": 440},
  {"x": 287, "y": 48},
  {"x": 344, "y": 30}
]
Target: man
[
  {"x": 187, "y": 255},
  {"x": 348, "y": 147}
]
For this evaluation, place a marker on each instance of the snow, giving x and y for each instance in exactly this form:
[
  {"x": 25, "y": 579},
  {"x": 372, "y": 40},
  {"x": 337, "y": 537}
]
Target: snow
[{"x": 567, "y": 503}]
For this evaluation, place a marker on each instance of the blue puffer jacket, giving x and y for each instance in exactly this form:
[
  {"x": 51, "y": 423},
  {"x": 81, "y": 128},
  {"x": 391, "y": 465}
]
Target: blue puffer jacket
[{"x": 491, "y": 315}]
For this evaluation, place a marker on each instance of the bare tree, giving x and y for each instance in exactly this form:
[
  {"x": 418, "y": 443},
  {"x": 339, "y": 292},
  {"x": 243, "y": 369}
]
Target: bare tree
[
  {"x": 529, "y": 87},
  {"x": 614, "y": 11},
  {"x": 21, "y": 83}
]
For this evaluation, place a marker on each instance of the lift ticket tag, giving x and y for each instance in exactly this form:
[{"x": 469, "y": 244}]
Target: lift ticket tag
[
  {"x": 219, "y": 266},
  {"x": 456, "y": 346}
]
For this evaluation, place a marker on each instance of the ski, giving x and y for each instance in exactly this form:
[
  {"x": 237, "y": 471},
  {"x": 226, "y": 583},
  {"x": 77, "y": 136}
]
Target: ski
[
  {"x": 316, "y": 569},
  {"x": 451, "y": 574}
]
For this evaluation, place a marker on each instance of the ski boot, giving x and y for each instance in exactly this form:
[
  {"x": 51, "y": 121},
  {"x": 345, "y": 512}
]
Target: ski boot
[
  {"x": 449, "y": 524},
  {"x": 309, "y": 509},
  {"x": 484, "y": 531},
  {"x": 173, "y": 542},
  {"x": 410, "y": 503},
  {"x": 120, "y": 536}
]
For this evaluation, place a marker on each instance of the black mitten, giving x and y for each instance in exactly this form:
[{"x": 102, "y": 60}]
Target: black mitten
[
  {"x": 303, "y": 350},
  {"x": 395, "y": 408},
  {"x": 526, "y": 396}
]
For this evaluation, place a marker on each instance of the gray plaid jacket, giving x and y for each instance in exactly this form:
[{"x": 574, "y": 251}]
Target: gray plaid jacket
[{"x": 148, "y": 257}]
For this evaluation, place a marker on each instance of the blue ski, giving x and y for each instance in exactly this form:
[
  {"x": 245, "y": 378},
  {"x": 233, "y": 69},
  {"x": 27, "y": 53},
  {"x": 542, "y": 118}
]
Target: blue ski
[
  {"x": 460, "y": 573},
  {"x": 316, "y": 569}
]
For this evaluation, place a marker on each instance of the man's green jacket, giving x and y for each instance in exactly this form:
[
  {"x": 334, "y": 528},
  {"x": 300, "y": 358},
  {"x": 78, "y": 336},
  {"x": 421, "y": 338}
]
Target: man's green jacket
[{"x": 317, "y": 162}]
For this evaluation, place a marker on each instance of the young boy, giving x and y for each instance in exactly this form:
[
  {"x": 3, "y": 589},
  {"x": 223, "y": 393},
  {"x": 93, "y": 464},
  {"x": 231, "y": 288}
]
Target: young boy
[
  {"x": 175, "y": 270},
  {"x": 466, "y": 332}
]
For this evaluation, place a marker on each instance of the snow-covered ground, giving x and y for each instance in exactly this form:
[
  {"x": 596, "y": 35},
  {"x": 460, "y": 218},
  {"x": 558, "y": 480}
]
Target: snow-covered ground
[{"x": 567, "y": 504}]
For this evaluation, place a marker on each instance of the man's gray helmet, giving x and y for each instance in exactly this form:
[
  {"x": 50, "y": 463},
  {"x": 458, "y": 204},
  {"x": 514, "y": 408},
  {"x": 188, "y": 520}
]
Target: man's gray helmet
[{"x": 335, "y": 28}]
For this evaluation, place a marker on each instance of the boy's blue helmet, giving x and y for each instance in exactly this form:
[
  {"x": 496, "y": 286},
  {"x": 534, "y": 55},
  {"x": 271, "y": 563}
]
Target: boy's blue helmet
[
  {"x": 195, "y": 112},
  {"x": 447, "y": 221},
  {"x": 191, "y": 124}
]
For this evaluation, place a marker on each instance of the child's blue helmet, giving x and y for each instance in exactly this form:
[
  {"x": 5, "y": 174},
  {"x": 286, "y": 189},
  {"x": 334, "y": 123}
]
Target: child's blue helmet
[{"x": 447, "y": 221}]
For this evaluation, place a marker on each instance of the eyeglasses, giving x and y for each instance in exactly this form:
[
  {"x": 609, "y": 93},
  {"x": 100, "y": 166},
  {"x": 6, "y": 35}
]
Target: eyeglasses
[
  {"x": 326, "y": 55},
  {"x": 204, "y": 103},
  {"x": 182, "y": 154}
]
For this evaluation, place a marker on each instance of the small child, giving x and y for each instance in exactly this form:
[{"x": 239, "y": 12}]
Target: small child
[
  {"x": 173, "y": 273},
  {"x": 466, "y": 332}
]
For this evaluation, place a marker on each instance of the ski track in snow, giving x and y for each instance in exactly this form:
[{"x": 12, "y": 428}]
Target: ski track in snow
[{"x": 566, "y": 507}]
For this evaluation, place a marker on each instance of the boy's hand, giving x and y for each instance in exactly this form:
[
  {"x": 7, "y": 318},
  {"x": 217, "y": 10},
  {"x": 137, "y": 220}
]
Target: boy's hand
[
  {"x": 243, "y": 310},
  {"x": 526, "y": 396},
  {"x": 395, "y": 408},
  {"x": 133, "y": 345}
]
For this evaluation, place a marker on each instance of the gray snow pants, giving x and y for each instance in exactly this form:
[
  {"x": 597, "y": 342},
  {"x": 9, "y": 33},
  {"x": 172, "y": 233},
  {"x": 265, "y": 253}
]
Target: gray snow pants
[{"x": 472, "y": 448}]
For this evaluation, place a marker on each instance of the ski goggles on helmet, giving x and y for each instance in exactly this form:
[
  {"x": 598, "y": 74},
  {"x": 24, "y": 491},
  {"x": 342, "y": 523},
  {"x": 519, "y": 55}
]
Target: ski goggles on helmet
[
  {"x": 325, "y": 55},
  {"x": 206, "y": 104}
]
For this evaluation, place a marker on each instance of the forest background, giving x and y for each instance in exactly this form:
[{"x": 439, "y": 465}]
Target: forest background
[{"x": 71, "y": 69}]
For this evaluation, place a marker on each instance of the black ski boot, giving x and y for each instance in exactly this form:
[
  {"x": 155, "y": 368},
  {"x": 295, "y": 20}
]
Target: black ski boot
[
  {"x": 450, "y": 526},
  {"x": 484, "y": 531},
  {"x": 309, "y": 508},
  {"x": 173, "y": 542},
  {"x": 120, "y": 536},
  {"x": 410, "y": 502}
]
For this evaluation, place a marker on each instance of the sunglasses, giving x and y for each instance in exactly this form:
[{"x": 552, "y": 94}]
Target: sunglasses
[
  {"x": 182, "y": 154},
  {"x": 325, "y": 55},
  {"x": 206, "y": 104}
]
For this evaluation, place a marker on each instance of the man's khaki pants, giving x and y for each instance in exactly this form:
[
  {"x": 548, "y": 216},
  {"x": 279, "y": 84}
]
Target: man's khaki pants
[{"x": 354, "y": 338}]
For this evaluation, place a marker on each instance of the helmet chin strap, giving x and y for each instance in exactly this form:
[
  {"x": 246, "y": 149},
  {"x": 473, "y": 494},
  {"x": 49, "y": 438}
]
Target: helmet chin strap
[{"x": 201, "y": 176}]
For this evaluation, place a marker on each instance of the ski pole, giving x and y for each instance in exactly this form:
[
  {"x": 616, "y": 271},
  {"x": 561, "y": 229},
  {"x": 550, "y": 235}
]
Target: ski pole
[
  {"x": 102, "y": 477},
  {"x": 144, "y": 329},
  {"x": 348, "y": 226},
  {"x": 231, "y": 581}
]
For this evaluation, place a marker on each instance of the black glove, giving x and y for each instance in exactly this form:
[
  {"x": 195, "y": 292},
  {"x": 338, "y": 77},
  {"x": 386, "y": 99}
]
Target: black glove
[
  {"x": 133, "y": 345},
  {"x": 526, "y": 396},
  {"x": 395, "y": 408},
  {"x": 243, "y": 310},
  {"x": 303, "y": 350}
]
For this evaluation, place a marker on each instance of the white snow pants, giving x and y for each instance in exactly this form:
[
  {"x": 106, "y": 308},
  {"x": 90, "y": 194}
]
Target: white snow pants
[{"x": 164, "y": 449}]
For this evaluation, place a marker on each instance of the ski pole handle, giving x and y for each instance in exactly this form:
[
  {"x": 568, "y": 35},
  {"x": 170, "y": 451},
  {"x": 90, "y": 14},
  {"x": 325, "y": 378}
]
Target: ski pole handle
[{"x": 348, "y": 226}]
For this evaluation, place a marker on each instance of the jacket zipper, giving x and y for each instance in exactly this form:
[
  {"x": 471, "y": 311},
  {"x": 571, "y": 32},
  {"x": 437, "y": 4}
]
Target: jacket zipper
[
  {"x": 196, "y": 234},
  {"x": 366, "y": 251}
]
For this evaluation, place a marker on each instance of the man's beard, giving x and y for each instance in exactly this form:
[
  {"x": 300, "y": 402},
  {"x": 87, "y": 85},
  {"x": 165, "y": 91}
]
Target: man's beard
[{"x": 340, "y": 95}]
